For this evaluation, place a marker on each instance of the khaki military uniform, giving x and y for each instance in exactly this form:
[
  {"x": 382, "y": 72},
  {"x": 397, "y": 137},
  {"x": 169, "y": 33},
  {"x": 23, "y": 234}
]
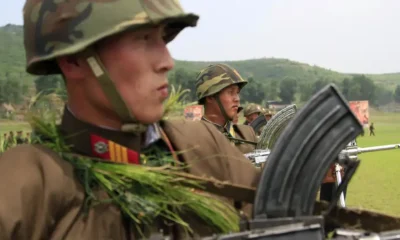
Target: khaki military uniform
[
  {"x": 19, "y": 140},
  {"x": 45, "y": 200},
  {"x": 241, "y": 132}
]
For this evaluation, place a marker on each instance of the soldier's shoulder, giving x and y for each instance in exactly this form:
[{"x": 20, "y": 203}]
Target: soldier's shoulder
[
  {"x": 23, "y": 152},
  {"x": 247, "y": 131},
  {"x": 187, "y": 125},
  {"x": 193, "y": 131},
  {"x": 244, "y": 128},
  {"x": 30, "y": 159}
]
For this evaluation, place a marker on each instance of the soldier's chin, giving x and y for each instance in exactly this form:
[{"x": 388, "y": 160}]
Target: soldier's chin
[
  {"x": 150, "y": 117},
  {"x": 150, "y": 120}
]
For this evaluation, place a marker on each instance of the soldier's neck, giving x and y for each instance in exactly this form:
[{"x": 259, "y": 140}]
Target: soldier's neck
[
  {"x": 215, "y": 118},
  {"x": 93, "y": 117}
]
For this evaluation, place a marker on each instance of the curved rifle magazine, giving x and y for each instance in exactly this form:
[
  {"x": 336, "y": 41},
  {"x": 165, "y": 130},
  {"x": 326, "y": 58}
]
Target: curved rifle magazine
[
  {"x": 303, "y": 154},
  {"x": 258, "y": 123}
]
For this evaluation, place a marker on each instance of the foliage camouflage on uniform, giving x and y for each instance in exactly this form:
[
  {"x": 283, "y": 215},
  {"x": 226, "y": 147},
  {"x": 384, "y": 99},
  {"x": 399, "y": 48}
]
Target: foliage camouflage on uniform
[
  {"x": 54, "y": 28},
  {"x": 214, "y": 78},
  {"x": 252, "y": 108}
]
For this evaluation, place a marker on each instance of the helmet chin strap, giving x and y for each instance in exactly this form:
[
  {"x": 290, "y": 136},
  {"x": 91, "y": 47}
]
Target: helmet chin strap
[
  {"x": 130, "y": 124},
  {"x": 228, "y": 122},
  {"x": 222, "y": 109}
]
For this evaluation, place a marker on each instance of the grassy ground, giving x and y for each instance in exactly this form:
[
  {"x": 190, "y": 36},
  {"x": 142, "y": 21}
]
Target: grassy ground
[
  {"x": 376, "y": 184},
  {"x": 7, "y": 126}
]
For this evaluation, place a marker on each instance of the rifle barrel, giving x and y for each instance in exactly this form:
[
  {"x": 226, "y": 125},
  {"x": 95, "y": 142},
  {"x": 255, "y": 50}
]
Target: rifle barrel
[
  {"x": 378, "y": 148},
  {"x": 352, "y": 152}
]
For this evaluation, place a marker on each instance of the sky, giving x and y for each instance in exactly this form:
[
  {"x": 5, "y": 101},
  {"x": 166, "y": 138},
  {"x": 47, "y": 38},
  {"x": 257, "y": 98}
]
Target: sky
[{"x": 351, "y": 36}]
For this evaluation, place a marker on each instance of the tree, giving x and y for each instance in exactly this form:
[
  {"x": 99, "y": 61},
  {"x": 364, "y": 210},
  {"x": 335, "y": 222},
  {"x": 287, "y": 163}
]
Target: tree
[
  {"x": 345, "y": 87},
  {"x": 306, "y": 91},
  {"x": 186, "y": 79},
  {"x": 367, "y": 87},
  {"x": 47, "y": 84},
  {"x": 271, "y": 89},
  {"x": 12, "y": 91},
  {"x": 253, "y": 91},
  {"x": 319, "y": 84},
  {"x": 383, "y": 96},
  {"x": 287, "y": 90},
  {"x": 396, "y": 94}
]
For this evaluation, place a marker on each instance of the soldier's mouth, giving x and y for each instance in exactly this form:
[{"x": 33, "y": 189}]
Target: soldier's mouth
[{"x": 163, "y": 90}]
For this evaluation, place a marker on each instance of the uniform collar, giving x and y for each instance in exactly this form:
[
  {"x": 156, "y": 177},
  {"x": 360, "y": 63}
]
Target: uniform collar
[
  {"x": 226, "y": 127},
  {"x": 102, "y": 142}
]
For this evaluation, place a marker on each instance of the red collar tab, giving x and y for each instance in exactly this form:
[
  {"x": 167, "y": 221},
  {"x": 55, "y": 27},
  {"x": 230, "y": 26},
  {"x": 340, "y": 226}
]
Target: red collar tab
[{"x": 106, "y": 149}]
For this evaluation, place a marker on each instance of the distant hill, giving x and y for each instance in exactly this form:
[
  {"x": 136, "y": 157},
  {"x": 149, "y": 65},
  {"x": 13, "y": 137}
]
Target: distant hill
[
  {"x": 272, "y": 68},
  {"x": 12, "y": 55},
  {"x": 12, "y": 63}
]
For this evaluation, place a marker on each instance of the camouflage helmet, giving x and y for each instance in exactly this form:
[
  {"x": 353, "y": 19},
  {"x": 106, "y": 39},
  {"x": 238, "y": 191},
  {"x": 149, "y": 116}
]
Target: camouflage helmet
[
  {"x": 56, "y": 28},
  {"x": 266, "y": 111},
  {"x": 252, "y": 108},
  {"x": 214, "y": 78}
]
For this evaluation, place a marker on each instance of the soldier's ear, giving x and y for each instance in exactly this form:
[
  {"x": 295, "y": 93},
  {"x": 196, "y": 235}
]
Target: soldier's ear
[
  {"x": 72, "y": 67},
  {"x": 210, "y": 99}
]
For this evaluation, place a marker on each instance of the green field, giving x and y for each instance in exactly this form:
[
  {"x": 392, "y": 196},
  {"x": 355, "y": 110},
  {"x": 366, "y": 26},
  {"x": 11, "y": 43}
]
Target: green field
[
  {"x": 376, "y": 184},
  {"x": 7, "y": 126}
]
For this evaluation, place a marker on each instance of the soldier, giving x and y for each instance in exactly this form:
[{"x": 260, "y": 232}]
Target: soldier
[
  {"x": 217, "y": 88},
  {"x": 113, "y": 57},
  {"x": 267, "y": 113},
  {"x": 4, "y": 143},
  {"x": 11, "y": 139},
  {"x": 371, "y": 130},
  {"x": 251, "y": 112},
  {"x": 27, "y": 138},
  {"x": 18, "y": 138}
]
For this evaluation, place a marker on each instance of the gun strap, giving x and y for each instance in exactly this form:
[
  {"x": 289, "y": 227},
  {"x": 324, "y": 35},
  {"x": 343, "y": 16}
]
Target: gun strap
[
  {"x": 224, "y": 189},
  {"x": 237, "y": 140}
]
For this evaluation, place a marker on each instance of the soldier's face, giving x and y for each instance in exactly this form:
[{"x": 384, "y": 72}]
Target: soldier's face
[
  {"x": 230, "y": 99},
  {"x": 251, "y": 117},
  {"x": 138, "y": 63}
]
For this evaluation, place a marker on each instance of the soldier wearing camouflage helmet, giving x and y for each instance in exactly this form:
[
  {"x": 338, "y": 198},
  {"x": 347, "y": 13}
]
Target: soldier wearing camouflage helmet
[
  {"x": 251, "y": 112},
  {"x": 217, "y": 88},
  {"x": 267, "y": 113},
  {"x": 113, "y": 57}
]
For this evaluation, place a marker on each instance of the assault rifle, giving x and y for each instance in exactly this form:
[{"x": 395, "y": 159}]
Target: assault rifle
[
  {"x": 285, "y": 198},
  {"x": 352, "y": 152},
  {"x": 260, "y": 156}
]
